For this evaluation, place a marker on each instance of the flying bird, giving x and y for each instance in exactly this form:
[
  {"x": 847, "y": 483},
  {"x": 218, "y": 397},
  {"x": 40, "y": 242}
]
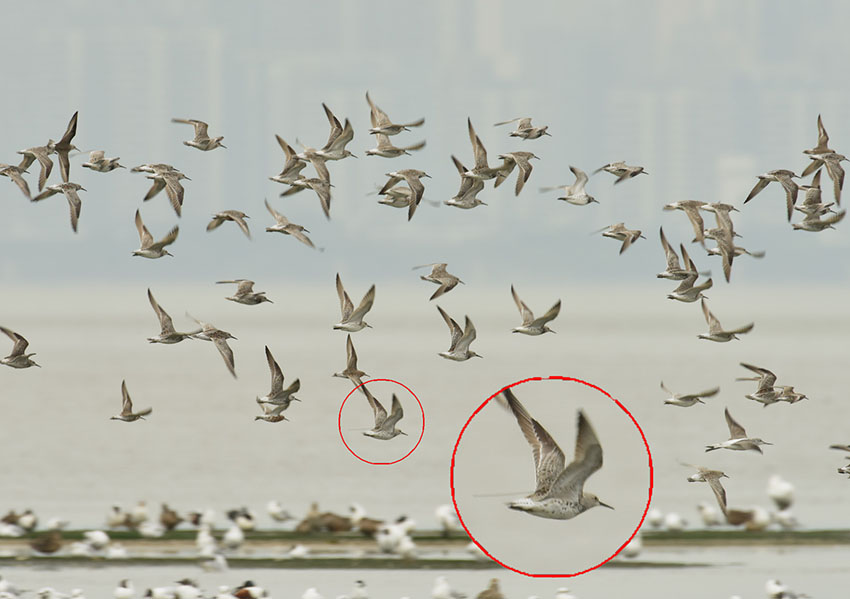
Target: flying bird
[
  {"x": 17, "y": 358},
  {"x": 127, "y": 414},
  {"x": 235, "y": 216},
  {"x": 738, "y": 439},
  {"x": 559, "y": 492},
  {"x": 385, "y": 426},
  {"x": 461, "y": 339},
  {"x": 202, "y": 140},
  {"x": 531, "y": 325},
  {"x": 147, "y": 247},
  {"x": 352, "y": 320},
  {"x": 525, "y": 129}
]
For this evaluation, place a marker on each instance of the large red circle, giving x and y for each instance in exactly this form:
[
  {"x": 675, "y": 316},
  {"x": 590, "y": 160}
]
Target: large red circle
[
  {"x": 421, "y": 433},
  {"x": 648, "y": 455}
]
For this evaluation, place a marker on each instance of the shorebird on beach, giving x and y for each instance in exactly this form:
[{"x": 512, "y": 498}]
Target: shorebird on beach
[
  {"x": 42, "y": 154},
  {"x": 352, "y": 320},
  {"x": 686, "y": 400},
  {"x": 164, "y": 176},
  {"x": 715, "y": 329},
  {"x": 70, "y": 191},
  {"x": 492, "y": 591},
  {"x": 441, "y": 277},
  {"x": 351, "y": 372},
  {"x": 531, "y": 325},
  {"x": 461, "y": 339},
  {"x": 574, "y": 194},
  {"x": 785, "y": 178},
  {"x": 100, "y": 163},
  {"x": 385, "y": 426},
  {"x": 278, "y": 396},
  {"x": 412, "y": 177},
  {"x": 245, "y": 293},
  {"x": 691, "y": 208},
  {"x": 469, "y": 188},
  {"x": 167, "y": 333},
  {"x": 147, "y": 247},
  {"x": 524, "y": 128},
  {"x": 621, "y": 233},
  {"x": 381, "y": 123},
  {"x": 16, "y": 174},
  {"x": 559, "y": 493},
  {"x": 674, "y": 270},
  {"x": 230, "y": 215},
  {"x": 738, "y": 439},
  {"x": 202, "y": 140},
  {"x": 522, "y": 160},
  {"x": 219, "y": 339},
  {"x": 712, "y": 477},
  {"x": 63, "y": 147},
  {"x": 283, "y": 225},
  {"x": 443, "y": 590},
  {"x": 127, "y": 414},
  {"x": 17, "y": 358},
  {"x": 621, "y": 170}
]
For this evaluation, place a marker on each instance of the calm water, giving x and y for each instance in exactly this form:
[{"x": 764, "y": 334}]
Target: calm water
[{"x": 202, "y": 448}]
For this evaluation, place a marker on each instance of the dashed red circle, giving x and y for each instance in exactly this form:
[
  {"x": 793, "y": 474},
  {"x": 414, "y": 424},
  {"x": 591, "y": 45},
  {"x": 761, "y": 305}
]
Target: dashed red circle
[
  {"x": 421, "y": 433},
  {"x": 649, "y": 461}
]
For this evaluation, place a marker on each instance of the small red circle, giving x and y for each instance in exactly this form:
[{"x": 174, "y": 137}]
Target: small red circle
[
  {"x": 421, "y": 433},
  {"x": 648, "y": 455}
]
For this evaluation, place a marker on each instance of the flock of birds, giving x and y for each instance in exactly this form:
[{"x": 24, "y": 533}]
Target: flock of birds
[
  {"x": 187, "y": 588},
  {"x": 559, "y": 492}
]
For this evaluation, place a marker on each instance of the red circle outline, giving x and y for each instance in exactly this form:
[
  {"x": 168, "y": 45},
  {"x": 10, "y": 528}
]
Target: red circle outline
[
  {"x": 645, "y": 444},
  {"x": 421, "y": 433}
]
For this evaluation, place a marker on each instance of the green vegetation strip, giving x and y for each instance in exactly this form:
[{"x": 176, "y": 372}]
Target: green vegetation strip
[
  {"x": 336, "y": 563},
  {"x": 745, "y": 537}
]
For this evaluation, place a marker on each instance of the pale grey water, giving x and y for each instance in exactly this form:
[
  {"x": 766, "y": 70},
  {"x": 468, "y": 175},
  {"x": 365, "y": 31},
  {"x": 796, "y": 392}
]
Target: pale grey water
[{"x": 202, "y": 448}]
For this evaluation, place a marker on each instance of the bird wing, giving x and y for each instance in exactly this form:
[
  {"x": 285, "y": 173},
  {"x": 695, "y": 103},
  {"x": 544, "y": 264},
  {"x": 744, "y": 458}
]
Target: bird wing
[
  {"x": 823, "y": 138},
  {"x": 526, "y": 314},
  {"x": 281, "y": 219},
  {"x": 377, "y": 409},
  {"x": 669, "y": 252},
  {"x": 548, "y": 458},
  {"x": 791, "y": 193},
  {"x": 15, "y": 176},
  {"x": 226, "y": 353},
  {"x": 525, "y": 169},
  {"x": 20, "y": 344},
  {"x": 587, "y": 460},
  {"x": 478, "y": 150},
  {"x": 454, "y": 328},
  {"x": 446, "y": 285},
  {"x": 350, "y": 354},
  {"x": 736, "y": 431},
  {"x": 396, "y": 414},
  {"x": 336, "y": 127},
  {"x": 581, "y": 180},
  {"x": 74, "y": 204},
  {"x": 713, "y": 324},
  {"x": 365, "y": 305},
  {"x": 126, "y": 402},
  {"x": 379, "y": 117},
  {"x": 170, "y": 238},
  {"x": 551, "y": 314},
  {"x": 762, "y": 183},
  {"x": 299, "y": 235},
  {"x": 346, "y": 306},
  {"x": 507, "y": 122},
  {"x": 158, "y": 185},
  {"x": 276, "y": 372},
  {"x": 165, "y": 321},
  {"x": 836, "y": 173},
  {"x": 468, "y": 335},
  {"x": 145, "y": 237}
]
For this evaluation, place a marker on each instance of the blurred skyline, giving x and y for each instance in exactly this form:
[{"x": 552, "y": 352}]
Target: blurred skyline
[{"x": 704, "y": 95}]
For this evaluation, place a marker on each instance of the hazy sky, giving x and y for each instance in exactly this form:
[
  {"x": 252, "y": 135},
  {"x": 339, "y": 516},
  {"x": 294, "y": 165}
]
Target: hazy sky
[{"x": 705, "y": 95}]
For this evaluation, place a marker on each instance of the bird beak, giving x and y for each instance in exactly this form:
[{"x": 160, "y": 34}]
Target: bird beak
[
  {"x": 222, "y": 146},
  {"x": 427, "y": 175},
  {"x": 606, "y": 505}
]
